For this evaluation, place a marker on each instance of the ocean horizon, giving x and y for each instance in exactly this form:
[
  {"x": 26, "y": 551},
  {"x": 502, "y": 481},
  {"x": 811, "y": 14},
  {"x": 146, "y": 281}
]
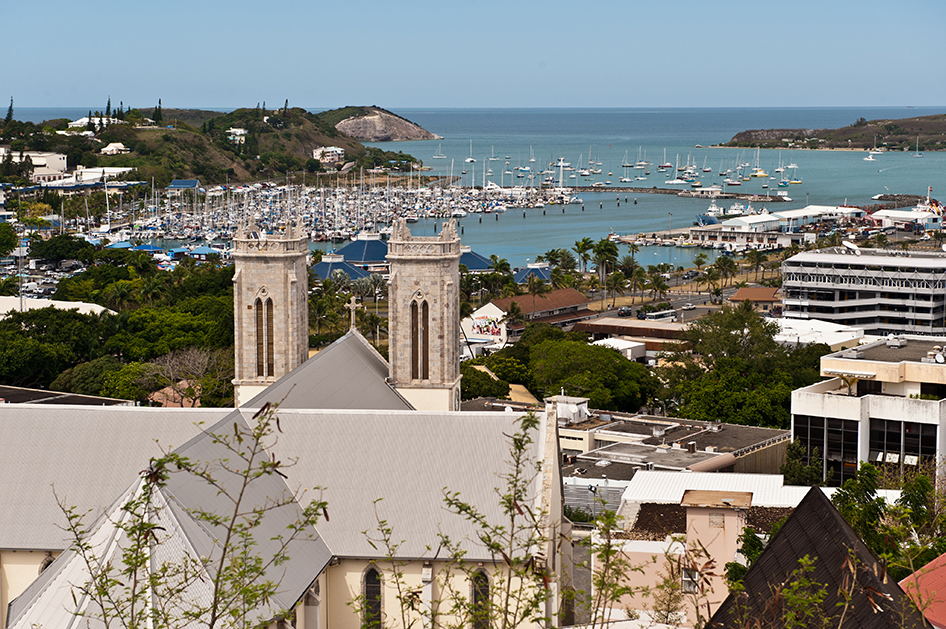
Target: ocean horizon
[{"x": 507, "y": 139}]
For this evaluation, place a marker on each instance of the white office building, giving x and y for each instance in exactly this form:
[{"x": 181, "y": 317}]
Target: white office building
[
  {"x": 885, "y": 403},
  {"x": 877, "y": 290}
]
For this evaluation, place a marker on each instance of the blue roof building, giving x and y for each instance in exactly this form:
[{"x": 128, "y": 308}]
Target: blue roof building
[
  {"x": 333, "y": 261},
  {"x": 365, "y": 249},
  {"x": 473, "y": 261},
  {"x": 184, "y": 184},
  {"x": 539, "y": 269}
]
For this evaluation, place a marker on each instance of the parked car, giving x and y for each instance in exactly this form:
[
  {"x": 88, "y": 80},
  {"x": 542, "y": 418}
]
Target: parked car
[
  {"x": 625, "y": 311},
  {"x": 688, "y": 306}
]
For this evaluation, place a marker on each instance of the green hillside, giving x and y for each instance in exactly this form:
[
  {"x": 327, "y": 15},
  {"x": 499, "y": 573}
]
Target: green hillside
[{"x": 892, "y": 135}]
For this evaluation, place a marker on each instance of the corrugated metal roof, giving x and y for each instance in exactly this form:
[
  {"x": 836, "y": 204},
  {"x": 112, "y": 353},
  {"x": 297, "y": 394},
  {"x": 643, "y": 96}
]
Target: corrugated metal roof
[
  {"x": 767, "y": 490},
  {"x": 407, "y": 458},
  {"x": 50, "y": 602},
  {"x": 349, "y": 373},
  {"x": 87, "y": 454}
]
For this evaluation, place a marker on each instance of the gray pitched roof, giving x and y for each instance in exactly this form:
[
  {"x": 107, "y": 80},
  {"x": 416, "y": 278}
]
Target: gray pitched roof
[
  {"x": 405, "y": 457},
  {"x": 87, "y": 454},
  {"x": 349, "y": 373},
  {"x": 50, "y": 601}
]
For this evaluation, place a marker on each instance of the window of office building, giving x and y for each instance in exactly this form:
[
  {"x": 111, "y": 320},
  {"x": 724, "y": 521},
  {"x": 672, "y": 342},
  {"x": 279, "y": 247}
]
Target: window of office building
[{"x": 899, "y": 445}]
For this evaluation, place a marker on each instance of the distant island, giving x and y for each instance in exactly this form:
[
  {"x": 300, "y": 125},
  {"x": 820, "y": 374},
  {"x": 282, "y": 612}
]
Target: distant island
[{"x": 925, "y": 133}]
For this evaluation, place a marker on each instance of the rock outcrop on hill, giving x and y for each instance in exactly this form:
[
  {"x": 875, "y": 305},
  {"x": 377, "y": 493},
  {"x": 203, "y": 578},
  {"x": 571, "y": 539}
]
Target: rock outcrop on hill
[{"x": 378, "y": 125}]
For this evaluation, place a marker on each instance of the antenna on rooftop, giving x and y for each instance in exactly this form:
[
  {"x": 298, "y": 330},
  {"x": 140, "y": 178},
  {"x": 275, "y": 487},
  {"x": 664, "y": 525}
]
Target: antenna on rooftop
[
  {"x": 939, "y": 359},
  {"x": 943, "y": 246},
  {"x": 851, "y": 246}
]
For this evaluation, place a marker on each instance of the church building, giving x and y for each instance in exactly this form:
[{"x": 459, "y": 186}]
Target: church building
[{"x": 384, "y": 440}]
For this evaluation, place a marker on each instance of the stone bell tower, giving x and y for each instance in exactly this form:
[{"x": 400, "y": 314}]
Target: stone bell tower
[
  {"x": 424, "y": 305},
  {"x": 270, "y": 310}
]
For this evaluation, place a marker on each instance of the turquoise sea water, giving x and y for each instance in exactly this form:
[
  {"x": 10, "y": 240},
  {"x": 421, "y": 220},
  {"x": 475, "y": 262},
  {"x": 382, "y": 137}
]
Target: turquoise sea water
[{"x": 829, "y": 177}]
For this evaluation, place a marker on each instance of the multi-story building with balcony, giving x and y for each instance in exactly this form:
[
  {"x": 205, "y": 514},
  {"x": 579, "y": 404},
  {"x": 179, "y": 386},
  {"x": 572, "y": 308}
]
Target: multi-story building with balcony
[
  {"x": 885, "y": 402},
  {"x": 880, "y": 291}
]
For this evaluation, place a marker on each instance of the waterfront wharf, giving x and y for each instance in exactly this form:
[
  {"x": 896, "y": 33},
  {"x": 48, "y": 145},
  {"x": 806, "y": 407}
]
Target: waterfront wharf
[{"x": 695, "y": 193}]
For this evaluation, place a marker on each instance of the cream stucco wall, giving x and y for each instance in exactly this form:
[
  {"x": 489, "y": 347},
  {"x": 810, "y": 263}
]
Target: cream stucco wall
[
  {"x": 344, "y": 584},
  {"x": 18, "y": 568}
]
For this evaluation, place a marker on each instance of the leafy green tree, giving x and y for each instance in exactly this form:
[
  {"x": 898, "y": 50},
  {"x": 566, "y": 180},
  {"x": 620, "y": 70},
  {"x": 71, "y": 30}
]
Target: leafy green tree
[
  {"x": 126, "y": 383},
  {"x": 476, "y": 383},
  {"x": 729, "y": 368},
  {"x": 86, "y": 378},
  {"x": 796, "y": 472},
  {"x": 62, "y": 247},
  {"x": 601, "y": 374},
  {"x": 8, "y": 239}
]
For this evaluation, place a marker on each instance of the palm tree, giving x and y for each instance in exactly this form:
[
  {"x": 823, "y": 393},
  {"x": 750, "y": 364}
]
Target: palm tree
[
  {"x": 638, "y": 282},
  {"x": 756, "y": 259},
  {"x": 711, "y": 277},
  {"x": 726, "y": 266},
  {"x": 9, "y": 286},
  {"x": 658, "y": 287},
  {"x": 626, "y": 265},
  {"x": 535, "y": 286},
  {"x": 513, "y": 315},
  {"x": 581, "y": 249},
  {"x": 880, "y": 240},
  {"x": 633, "y": 248},
  {"x": 616, "y": 284},
  {"x": 605, "y": 252},
  {"x": 700, "y": 261},
  {"x": 500, "y": 265},
  {"x": 118, "y": 294},
  {"x": 151, "y": 290}
]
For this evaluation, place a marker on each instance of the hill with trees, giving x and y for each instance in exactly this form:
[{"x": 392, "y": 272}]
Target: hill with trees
[
  {"x": 166, "y": 144},
  {"x": 891, "y": 135},
  {"x": 373, "y": 124}
]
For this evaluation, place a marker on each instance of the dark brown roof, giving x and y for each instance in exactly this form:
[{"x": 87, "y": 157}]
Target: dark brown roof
[
  {"x": 655, "y": 521},
  {"x": 818, "y": 531},
  {"x": 553, "y": 300}
]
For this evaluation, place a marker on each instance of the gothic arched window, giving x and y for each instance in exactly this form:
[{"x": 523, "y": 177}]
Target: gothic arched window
[
  {"x": 260, "y": 345},
  {"x": 372, "y": 610},
  {"x": 481, "y": 609}
]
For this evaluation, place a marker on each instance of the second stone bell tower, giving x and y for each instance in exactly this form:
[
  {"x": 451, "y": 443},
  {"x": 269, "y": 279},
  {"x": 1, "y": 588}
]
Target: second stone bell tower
[{"x": 424, "y": 306}]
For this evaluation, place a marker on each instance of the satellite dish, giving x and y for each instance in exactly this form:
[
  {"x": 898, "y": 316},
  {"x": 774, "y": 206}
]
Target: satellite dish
[
  {"x": 943, "y": 246},
  {"x": 939, "y": 359},
  {"x": 849, "y": 245},
  {"x": 857, "y": 252}
]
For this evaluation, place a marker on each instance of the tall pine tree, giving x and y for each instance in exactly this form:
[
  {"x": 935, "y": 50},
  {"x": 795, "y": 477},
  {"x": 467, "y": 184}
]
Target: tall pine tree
[
  {"x": 9, "y": 117},
  {"x": 108, "y": 108}
]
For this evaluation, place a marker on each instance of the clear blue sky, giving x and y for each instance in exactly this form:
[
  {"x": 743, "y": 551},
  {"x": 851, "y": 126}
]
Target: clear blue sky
[{"x": 485, "y": 53}]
